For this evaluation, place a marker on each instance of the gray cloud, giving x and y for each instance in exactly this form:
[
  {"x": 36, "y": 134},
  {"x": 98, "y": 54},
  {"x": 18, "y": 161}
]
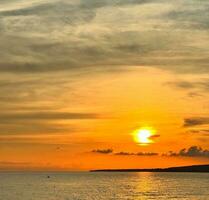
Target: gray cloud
[
  {"x": 202, "y": 131},
  {"x": 34, "y": 104},
  {"x": 198, "y": 88},
  {"x": 136, "y": 154},
  {"x": 191, "y": 17},
  {"x": 46, "y": 116},
  {"x": 183, "y": 84},
  {"x": 18, "y": 127},
  {"x": 123, "y": 153},
  {"x": 103, "y": 151},
  {"x": 193, "y": 151},
  {"x": 62, "y": 35},
  {"x": 12, "y": 123},
  {"x": 51, "y": 12},
  {"x": 196, "y": 121},
  {"x": 203, "y": 84},
  {"x": 47, "y": 45},
  {"x": 99, "y": 4}
]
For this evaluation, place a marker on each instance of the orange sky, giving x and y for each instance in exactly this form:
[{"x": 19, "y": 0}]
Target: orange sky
[
  {"x": 78, "y": 78},
  {"x": 124, "y": 103}
]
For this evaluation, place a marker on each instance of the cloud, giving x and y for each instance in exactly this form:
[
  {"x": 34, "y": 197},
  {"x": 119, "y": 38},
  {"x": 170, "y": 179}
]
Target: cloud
[
  {"x": 192, "y": 16},
  {"x": 202, "y": 84},
  {"x": 201, "y": 131},
  {"x": 196, "y": 121},
  {"x": 102, "y": 151},
  {"x": 99, "y": 4},
  {"x": 39, "y": 104},
  {"x": 32, "y": 122},
  {"x": 136, "y": 154},
  {"x": 18, "y": 165},
  {"x": 194, "y": 88},
  {"x": 47, "y": 116},
  {"x": 34, "y": 127},
  {"x": 193, "y": 151},
  {"x": 43, "y": 36},
  {"x": 123, "y": 153},
  {"x": 47, "y": 45},
  {"x": 154, "y": 136},
  {"x": 14, "y": 165},
  {"x": 62, "y": 12},
  {"x": 9, "y": 163},
  {"x": 182, "y": 84}
]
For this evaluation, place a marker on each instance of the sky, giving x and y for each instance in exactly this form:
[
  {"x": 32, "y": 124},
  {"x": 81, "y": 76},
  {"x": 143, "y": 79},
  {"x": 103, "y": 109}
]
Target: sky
[{"x": 82, "y": 81}]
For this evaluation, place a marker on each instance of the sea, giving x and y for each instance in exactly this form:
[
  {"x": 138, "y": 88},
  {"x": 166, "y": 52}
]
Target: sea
[{"x": 103, "y": 186}]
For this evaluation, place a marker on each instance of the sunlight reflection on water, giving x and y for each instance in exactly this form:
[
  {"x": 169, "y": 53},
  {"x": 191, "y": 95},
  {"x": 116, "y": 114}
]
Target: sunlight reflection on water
[{"x": 107, "y": 186}]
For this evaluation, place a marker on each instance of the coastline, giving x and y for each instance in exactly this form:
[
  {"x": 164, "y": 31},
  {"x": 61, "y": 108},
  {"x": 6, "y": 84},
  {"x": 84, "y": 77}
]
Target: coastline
[{"x": 192, "y": 168}]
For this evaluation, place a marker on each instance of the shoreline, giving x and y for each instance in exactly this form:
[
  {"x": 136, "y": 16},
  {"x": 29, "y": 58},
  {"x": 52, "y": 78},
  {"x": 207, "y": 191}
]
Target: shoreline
[{"x": 192, "y": 168}]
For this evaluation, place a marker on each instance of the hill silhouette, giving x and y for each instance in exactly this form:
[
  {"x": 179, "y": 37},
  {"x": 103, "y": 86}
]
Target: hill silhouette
[{"x": 192, "y": 168}]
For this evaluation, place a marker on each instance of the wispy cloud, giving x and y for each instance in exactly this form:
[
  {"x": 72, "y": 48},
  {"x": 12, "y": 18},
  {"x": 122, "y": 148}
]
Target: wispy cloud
[
  {"x": 43, "y": 36},
  {"x": 9, "y": 163},
  {"x": 201, "y": 85},
  {"x": 196, "y": 121},
  {"x": 201, "y": 131},
  {"x": 46, "y": 116},
  {"x": 41, "y": 122}
]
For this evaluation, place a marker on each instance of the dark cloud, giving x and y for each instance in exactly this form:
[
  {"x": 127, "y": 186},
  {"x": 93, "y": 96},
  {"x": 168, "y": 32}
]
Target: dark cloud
[
  {"x": 12, "y": 123},
  {"x": 203, "y": 84},
  {"x": 66, "y": 9},
  {"x": 204, "y": 131},
  {"x": 191, "y": 17},
  {"x": 154, "y": 136},
  {"x": 102, "y": 151},
  {"x": 99, "y": 4},
  {"x": 193, "y": 151},
  {"x": 61, "y": 11},
  {"x": 201, "y": 134},
  {"x": 136, "y": 154},
  {"x": 47, "y": 116},
  {"x": 123, "y": 153},
  {"x": 182, "y": 84},
  {"x": 9, "y": 128},
  {"x": 196, "y": 121},
  {"x": 194, "y": 89}
]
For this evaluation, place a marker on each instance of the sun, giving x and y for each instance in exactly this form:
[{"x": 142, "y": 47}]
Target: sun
[{"x": 143, "y": 135}]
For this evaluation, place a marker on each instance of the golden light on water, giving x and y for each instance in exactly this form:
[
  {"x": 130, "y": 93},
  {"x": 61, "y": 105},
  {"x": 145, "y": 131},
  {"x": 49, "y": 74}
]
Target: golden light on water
[{"x": 143, "y": 135}]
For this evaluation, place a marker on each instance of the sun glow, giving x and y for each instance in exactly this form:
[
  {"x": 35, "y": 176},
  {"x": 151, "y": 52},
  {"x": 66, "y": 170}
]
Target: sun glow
[{"x": 143, "y": 135}]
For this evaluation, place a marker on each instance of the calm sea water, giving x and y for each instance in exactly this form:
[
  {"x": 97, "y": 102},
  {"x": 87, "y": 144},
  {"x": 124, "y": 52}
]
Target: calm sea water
[{"x": 99, "y": 186}]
